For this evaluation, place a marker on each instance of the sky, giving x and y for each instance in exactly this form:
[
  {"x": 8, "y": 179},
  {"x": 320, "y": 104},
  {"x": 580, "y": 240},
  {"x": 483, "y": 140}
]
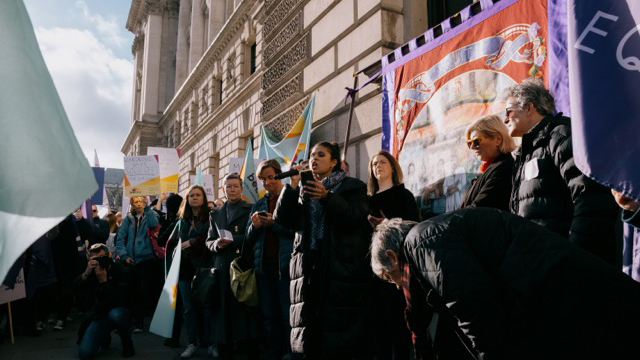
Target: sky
[{"x": 88, "y": 52}]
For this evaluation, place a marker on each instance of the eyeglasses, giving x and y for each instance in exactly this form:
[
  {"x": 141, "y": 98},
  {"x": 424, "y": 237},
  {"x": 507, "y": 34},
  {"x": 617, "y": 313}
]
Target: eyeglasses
[
  {"x": 475, "y": 142},
  {"x": 94, "y": 210},
  {"x": 508, "y": 111}
]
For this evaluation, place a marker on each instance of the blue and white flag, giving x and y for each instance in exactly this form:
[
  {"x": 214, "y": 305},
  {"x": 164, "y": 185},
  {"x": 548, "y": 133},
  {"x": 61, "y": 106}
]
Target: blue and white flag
[
  {"x": 45, "y": 175},
  {"x": 604, "y": 82}
]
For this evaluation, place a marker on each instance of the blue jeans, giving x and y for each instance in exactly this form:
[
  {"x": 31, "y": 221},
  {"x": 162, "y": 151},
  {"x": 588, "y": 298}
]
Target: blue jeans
[
  {"x": 98, "y": 330},
  {"x": 275, "y": 303},
  {"x": 188, "y": 311}
]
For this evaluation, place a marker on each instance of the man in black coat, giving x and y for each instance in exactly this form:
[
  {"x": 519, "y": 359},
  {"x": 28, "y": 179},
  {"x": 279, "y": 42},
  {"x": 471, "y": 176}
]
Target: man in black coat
[
  {"x": 68, "y": 251},
  {"x": 548, "y": 188},
  {"x": 100, "y": 227},
  {"x": 517, "y": 290}
]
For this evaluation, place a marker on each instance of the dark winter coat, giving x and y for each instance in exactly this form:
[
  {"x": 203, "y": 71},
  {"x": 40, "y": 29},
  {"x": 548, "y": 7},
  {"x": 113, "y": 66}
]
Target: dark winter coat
[
  {"x": 196, "y": 254},
  {"x": 68, "y": 262},
  {"x": 394, "y": 202},
  {"x": 493, "y": 187},
  {"x": 100, "y": 231},
  {"x": 520, "y": 291},
  {"x": 255, "y": 238},
  {"x": 331, "y": 305},
  {"x": 550, "y": 190},
  {"x": 114, "y": 293},
  {"x": 392, "y": 335},
  {"x": 228, "y": 312}
]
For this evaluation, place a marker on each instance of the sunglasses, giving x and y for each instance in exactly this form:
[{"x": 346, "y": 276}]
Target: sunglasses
[
  {"x": 508, "y": 111},
  {"x": 94, "y": 210},
  {"x": 475, "y": 142}
]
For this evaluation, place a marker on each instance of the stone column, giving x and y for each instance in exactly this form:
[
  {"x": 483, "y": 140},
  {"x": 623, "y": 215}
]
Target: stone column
[
  {"x": 216, "y": 18},
  {"x": 197, "y": 34},
  {"x": 182, "y": 52},
  {"x": 151, "y": 69}
]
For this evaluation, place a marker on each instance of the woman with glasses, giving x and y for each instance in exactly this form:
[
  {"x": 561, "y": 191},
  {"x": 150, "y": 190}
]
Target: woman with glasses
[{"x": 489, "y": 139}]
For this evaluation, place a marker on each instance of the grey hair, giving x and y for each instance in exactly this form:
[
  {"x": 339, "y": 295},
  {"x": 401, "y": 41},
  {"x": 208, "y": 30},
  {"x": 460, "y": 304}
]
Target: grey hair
[
  {"x": 389, "y": 235},
  {"x": 531, "y": 91},
  {"x": 233, "y": 176}
]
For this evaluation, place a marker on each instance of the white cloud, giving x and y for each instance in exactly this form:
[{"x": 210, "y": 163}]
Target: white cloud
[
  {"x": 108, "y": 29},
  {"x": 95, "y": 88}
]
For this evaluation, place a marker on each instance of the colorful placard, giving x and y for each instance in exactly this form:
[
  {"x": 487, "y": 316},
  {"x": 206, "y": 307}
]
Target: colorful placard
[
  {"x": 168, "y": 159},
  {"x": 141, "y": 176}
]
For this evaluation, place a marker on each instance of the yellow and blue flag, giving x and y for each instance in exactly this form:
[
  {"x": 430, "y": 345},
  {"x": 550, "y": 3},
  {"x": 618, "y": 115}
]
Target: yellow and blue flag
[{"x": 294, "y": 147}]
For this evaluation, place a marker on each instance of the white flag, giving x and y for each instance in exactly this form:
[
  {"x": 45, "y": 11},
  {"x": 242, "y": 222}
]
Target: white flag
[{"x": 45, "y": 175}]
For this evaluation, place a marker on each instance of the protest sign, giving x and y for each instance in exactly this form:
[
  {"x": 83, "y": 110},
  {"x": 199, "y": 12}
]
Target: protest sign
[
  {"x": 209, "y": 187},
  {"x": 168, "y": 160},
  {"x": 141, "y": 176},
  {"x": 18, "y": 291}
]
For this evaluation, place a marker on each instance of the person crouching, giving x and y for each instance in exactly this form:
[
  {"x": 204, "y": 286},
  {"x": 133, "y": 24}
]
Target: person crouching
[{"x": 106, "y": 282}]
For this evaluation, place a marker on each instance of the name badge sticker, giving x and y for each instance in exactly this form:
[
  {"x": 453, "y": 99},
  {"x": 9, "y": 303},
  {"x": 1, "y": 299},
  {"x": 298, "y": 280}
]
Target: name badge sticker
[{"x": 531, "y": 169}]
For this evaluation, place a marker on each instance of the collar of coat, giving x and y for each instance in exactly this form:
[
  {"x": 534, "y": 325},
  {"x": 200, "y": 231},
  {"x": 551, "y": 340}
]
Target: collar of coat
[{"x": 540, "y": 132}]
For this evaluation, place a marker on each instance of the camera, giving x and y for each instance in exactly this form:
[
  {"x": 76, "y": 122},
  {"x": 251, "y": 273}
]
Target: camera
[{"x": 104, "y": 261}]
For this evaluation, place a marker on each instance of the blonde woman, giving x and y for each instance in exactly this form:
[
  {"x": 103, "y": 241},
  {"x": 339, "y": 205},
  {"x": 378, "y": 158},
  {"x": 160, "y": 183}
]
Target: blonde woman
[{"x": 489, "y": 139}]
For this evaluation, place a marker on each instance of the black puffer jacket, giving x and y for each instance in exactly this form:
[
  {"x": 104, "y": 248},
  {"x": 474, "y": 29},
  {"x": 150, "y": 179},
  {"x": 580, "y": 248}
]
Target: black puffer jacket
[
  {"x": 519, "y": 291},
  {"x": 330, "y": 288},
  {"x": 551, "y": 191}
]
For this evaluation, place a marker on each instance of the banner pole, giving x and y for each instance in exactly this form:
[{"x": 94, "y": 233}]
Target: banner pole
[
  {"x": 352, "y": 94},
  {"x": 13, "y": 341}
]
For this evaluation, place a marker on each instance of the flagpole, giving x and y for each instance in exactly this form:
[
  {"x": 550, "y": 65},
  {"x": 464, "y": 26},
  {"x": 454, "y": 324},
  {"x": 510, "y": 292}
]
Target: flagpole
[
  {"x": 13, "y": 341},
  {"x": 352, "y": 94}
]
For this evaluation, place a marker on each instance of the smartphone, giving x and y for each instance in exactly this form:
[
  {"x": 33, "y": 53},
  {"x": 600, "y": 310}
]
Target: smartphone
[
  {"x": 306, "y": 176},
  {"x": 263, "y": 213}
]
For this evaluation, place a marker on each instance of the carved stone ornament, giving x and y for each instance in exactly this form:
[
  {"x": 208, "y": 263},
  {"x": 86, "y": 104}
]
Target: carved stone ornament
[
  {"x": 289, "y": 32},
  {"x": 281, "y": 125},
  {"x": 278, "y": 15},
  {"x": 138, "y": 43},
  {"x": 173, "y": 8},
  {"x": 294, "y": 56},
  {"x": 152, "y": 7},
  {"x": 289, "y": 89}
]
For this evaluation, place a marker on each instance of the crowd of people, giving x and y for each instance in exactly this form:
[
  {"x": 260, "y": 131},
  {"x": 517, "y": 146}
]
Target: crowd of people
[{"x": 525, "y": 269}]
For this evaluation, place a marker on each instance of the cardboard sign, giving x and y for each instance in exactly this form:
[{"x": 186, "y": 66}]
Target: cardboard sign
[
  {"x": 209, "y": 187},
  {"x": 168, "y": 160},
  {"x": 18, "y": 291},
  {"x": 141, "y": 176}
]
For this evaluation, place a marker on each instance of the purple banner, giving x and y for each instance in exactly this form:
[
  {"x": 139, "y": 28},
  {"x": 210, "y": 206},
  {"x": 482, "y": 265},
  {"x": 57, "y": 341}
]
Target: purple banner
[
  {"x": 558, "y": 62},
  {"x": 604, "y": 77}
]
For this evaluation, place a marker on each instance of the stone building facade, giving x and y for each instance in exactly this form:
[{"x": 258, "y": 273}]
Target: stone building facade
[{"x": 210, "y": 73}]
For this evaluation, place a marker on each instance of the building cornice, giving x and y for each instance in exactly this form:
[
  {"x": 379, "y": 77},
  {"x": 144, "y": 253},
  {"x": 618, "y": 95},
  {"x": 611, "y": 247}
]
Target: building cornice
[
  {"x": 135, "y": 11},
  {"x": 230, "y": 29},
  {"x": 134, "y": 132}
]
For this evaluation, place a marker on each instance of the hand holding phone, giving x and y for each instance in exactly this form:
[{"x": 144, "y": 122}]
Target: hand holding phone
[{"x": 306, "y": 176}]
